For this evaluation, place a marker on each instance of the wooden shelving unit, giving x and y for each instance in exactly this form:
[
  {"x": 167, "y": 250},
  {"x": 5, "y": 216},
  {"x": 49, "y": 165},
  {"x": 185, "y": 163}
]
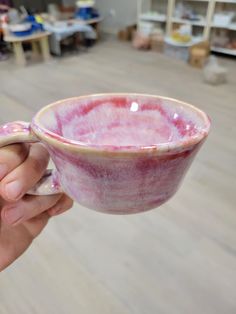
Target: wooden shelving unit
[
  {"x": 148, "y": 10},
  {"x": 231, "y": 52}
]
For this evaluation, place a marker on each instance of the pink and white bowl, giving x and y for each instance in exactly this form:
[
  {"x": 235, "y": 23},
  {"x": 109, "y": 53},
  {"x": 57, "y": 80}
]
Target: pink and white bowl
[{"x": 115, "y": 153}]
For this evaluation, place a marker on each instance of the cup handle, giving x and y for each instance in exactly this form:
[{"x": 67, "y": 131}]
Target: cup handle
[{"x": 21, "y": 132}]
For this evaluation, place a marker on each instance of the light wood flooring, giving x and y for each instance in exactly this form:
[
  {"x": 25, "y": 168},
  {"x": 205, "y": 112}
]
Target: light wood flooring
[{"x": 177, "y": 259}]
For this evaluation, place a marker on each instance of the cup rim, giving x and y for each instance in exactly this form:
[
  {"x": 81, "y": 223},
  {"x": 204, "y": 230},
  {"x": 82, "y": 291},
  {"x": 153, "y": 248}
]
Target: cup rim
[{"x": 159, "y": 149}]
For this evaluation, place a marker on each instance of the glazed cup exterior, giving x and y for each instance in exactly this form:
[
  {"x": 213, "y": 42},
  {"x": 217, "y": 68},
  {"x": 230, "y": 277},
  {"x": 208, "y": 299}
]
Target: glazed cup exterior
[{"x": 120, "y": 184}]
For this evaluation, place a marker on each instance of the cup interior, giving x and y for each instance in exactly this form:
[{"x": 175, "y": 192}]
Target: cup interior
[{"x": 123, "y": 120}]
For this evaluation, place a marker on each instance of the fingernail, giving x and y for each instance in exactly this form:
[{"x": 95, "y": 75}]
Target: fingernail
[
  {"x": 13, "y": 190},
  {"x": 12, "y": 215},
  {"x": 3, "y": 171}
]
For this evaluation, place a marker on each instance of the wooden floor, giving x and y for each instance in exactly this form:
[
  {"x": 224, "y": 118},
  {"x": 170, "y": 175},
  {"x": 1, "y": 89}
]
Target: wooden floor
[{"x": 178, "y": 259}]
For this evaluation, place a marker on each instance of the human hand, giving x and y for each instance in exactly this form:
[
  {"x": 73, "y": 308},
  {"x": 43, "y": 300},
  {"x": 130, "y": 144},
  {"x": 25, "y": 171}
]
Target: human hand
[{"x": 23, "y": 217}]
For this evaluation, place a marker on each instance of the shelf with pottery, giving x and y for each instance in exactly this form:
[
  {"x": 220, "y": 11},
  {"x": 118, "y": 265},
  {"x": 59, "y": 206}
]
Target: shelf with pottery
[
  {"x": 227, "y": 51},
  {"x": 226, "y": 1},
  {"x": 200, "y": 22},
  {"x": 197, "y": 0},
  {"x": 223, "y": 1},
  {"x": 168, "y": 19},
  {"x": 153, "y": 17},
  {"x": 207, "y": 23},
  {"x": 224, "y": 21},
  {"x": 154, "y": 11},
  {"x": 231, "y": 27}
]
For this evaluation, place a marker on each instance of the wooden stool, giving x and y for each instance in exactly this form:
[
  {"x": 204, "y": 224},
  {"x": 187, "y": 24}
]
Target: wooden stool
[{"x": 35, "y": 39}]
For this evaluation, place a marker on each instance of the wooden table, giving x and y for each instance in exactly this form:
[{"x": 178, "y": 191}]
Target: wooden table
[
  {"x": 41, "y": 38},
  {"x": 94, "y": 22},
  {"x": 69, "y": 28}
]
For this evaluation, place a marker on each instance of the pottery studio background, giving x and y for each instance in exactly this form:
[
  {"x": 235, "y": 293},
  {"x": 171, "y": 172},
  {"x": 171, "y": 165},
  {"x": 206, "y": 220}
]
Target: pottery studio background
[{"x": 176, "y": 259}]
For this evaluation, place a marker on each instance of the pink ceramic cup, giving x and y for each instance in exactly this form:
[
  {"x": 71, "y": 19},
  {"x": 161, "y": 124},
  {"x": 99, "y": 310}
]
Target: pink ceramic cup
[{"x": 115, "y": 153}]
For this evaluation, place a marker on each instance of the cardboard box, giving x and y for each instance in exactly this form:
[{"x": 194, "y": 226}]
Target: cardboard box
[
  {"x": 198, "y": 54},
  {"x": 126, "y": 34},
  {"x": 130, "y": 31},
  {"x": 123, "y": 35},
  {"x": 157, "y": 44}
]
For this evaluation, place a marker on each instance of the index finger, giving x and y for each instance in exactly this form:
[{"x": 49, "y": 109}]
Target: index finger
[{"x": 11, "y": 157}]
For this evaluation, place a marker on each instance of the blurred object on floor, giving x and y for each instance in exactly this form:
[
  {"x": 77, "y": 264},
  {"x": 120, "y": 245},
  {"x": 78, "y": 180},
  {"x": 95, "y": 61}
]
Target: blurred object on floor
[
  {"x": 123, "y": 35},
  {"x": 141, "y": 38},
  {"x": 177, "y": 50},
  {"x": 131, "y": 29},
  {"x": 214, "y": 74},
  {"x": 199, "y": 53},
  {"x": 141, "y": 41},
  {"x": 127, "y": 33},
  {"x": 157, "y": 40}
]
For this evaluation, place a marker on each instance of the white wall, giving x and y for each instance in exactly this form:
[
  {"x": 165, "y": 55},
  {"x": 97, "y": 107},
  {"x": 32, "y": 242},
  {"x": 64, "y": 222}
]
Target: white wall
[
  {"x": 68, "y": 3},
  {"x": 125, "y": 14}
]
